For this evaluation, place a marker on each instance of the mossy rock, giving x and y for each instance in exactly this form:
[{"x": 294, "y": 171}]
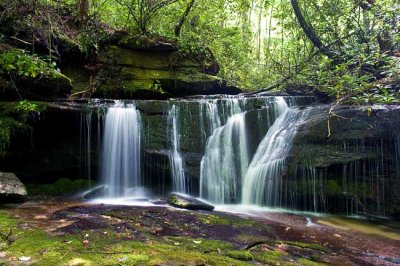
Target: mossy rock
[
  {"x": 150, "y": 74},
  {"x": 114, "y": 55},
  {"x": 314, "y": 155},
  {"x": 60, "y": 187},
  {"x": 188, "y": 202},
  {"x": 240, "y": 255}
]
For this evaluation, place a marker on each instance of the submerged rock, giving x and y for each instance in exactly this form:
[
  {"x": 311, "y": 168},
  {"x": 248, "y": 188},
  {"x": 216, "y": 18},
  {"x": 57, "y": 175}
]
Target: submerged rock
[
  {"x": 187, "y": 202},
  {"x": 11, "y": 188}
]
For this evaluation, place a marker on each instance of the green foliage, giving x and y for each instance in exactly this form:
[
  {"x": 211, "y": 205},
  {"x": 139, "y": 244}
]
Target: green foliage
[
  {"x": 60, "y": 187},
  {"x": 360, "y": 38},
  {"x": 10, "y": 127},
  {"x": 20, "y": 63},
  {"x": 24, "y": 108},
  {"x": 5, "y": 134},
  {"x": 256, "y": 43}
]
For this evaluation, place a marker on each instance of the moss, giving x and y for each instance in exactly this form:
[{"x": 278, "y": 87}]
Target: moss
[
  {"x": 60, "y": 187},
  {"x": 250, "y": 238},
  {"x": 240, "y": 255},
  {"x": 9, "y": 128},
  {"x": 305, "y": 245},
  {"x": 307, "y": 262},
  {"x": 6, "y": 221},
  {"x": 214, "y": 219},
  {"x": 5, "y": 132},
  {"x": 174, "y": 200},
  {"x": 114, "y": 55},
  {"x": 333, "y": 188},
  {"x": 312, "y": 155},
  {"x": 127, "y": 73},
  {"x": 200, "y": 244},
  {"x": 270, "y": 257},
  {"x": 46, "y": 250}
]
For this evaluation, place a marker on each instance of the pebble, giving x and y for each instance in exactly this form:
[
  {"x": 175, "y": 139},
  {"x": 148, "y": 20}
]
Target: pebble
[{"x": 24, "y": 259}]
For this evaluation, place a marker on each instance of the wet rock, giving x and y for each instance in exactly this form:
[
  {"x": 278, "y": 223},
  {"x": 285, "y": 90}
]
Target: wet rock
[
  {"x": 187, "y": 202},
  {"x": 11, "y": 188},
  {"x": 347, "y": 146}
]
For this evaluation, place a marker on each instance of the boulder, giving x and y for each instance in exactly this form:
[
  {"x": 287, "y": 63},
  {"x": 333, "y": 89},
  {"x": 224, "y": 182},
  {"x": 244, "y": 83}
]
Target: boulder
[
  {"x": 11, "y": 188},
  {"x": 187, "y": 202}
]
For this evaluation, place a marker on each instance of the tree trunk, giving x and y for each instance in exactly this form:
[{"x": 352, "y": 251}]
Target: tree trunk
[
  {"x": 384, "y": 39},
  {"x": 83, "y": 10},
  {"x": 179, "y": 26},
  {"x": 308, "y": 30}
]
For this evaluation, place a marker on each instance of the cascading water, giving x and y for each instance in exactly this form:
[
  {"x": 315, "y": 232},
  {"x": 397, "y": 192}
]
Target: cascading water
[
  {"x": 225, "y": 161},
  {"x": 262, "y": 181},
  {"x": 121, "y": 152},
  {"x": 85, "y": 142},
  {"x": 236, "y": 151},
  {"x": 226, "y": 153},
  {"x": 215, "y": 113},
  {"x": 176, "y": 162}
]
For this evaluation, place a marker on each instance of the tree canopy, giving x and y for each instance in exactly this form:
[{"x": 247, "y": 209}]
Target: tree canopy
[{"x": 349, "y": 49}]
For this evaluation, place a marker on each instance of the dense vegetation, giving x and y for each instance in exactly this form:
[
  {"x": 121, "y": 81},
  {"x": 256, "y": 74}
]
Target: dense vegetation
[{"x": 349, "y": 49}]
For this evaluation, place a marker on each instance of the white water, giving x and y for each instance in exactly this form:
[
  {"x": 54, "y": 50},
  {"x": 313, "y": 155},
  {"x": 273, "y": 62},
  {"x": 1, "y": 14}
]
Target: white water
[
  {"x": 121, "y": 162},
  {"x": 262, "y": 182},
  {"x": 226, "y": 152},
  {"x": 176, "y": 162},
  {"x": 225, "y": 161},
  {"x": 86, "y": 144},
  {"x": 215, "y": 113}
]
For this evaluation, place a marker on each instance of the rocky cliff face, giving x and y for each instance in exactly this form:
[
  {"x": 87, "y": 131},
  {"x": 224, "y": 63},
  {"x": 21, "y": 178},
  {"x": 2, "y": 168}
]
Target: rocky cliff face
[
  {"x": 132, "y": 67},
  {"x": 349, "y": 160},
  {"x": 353, "y": 171}
]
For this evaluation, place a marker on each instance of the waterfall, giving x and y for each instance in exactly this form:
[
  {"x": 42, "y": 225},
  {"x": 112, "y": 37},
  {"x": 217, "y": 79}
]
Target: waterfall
[
  {"x": 233, "y": 150},
  {"x": 225, "y": 161},
  {"x": 86, "y": 144},
  {"x": 262, "y": 182},
  {"x": 215, "y": 113},
  {"x": 176, "y": 162},
  {"x": 121, "y": 160},
  {"x": 226, "y": 153},
  {"x": 227, "y": 156}
]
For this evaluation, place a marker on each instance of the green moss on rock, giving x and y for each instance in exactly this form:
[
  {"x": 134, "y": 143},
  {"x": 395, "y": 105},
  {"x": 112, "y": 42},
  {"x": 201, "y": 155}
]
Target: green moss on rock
[
  {"x": 240, "y": 255},
  {"x": 60, "y": 187}
]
